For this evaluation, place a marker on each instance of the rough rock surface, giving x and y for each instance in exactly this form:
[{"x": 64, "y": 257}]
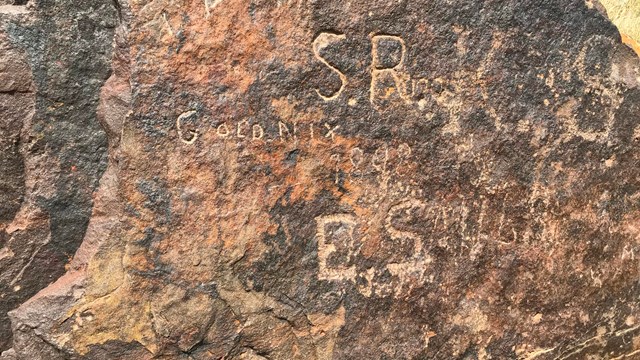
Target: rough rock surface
[
  {"x": 54, "y": 59},
  {"x": 325, "y": 179}
]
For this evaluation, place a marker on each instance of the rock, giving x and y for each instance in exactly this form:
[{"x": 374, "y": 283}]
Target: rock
[
  {"x": 625, "y": 16},
  {"x": 16, "y": 104},
  {"x": 8, "y": 355},
  {"x": 346, "y": 180},
  {"x": 54, "y": 59}
]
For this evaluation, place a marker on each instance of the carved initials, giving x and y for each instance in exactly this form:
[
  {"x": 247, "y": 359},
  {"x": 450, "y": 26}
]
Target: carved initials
[
  {"x": 378, "y": 72},
  {"x": 323, "y": 40},
  {"x": 193, "y": 135},
  {"x": 327, "y": 246}
]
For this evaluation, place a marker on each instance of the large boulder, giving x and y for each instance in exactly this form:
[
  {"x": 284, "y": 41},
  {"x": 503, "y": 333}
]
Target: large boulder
[{"x": 443, "y": 179}]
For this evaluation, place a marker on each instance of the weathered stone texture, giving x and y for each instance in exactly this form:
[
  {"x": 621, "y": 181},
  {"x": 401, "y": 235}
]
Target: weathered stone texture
[
  {"x": 16, "y": 105},
  {"x": 54, "y": 59},
  {"x": 346, "y": 180}
]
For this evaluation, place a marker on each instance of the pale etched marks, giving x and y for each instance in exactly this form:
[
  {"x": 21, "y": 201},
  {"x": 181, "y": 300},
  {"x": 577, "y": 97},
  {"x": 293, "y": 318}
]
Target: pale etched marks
[
  {"x": 461, "y": 224},
  {"x": 251, "y": 131},
  {"x": 399, "y": 207},
  {"x": 411, "y": 231},
  {"x": 323, "y": 40},
  {"x": 405, "y": 208},
  {"x": 605, "y": 93},
  {"x": 335, "y": 232},
  {"x": 192, "y": 134},
  {"x": 384, "y": 69},
  {"x": 393, "y": 85}
]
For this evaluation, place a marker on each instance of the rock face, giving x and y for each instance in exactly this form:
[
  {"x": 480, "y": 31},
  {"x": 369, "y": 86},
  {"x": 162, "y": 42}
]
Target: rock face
[
  {"x": 54, "y": 59},
  {"x": 325, "y": 180}
]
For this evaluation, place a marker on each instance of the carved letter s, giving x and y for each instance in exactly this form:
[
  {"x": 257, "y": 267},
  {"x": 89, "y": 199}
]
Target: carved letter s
[{"x": 323, "y": 40}]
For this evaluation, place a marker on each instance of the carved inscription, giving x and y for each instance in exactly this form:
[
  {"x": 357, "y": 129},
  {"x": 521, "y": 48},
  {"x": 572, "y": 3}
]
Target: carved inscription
[
  {"x": 322, "y": 41},
  {"x": 392, "y": 84},
  {"x": 335, "y": 238},
  {"x": 388, "y": 67},
  {"x": 408, "y": 228},
  {"x": 388, "y": 74},
  {"x": 412, "y": 230},
  {"x": 249, "y": 131},
  {"x": 190, "y": 136}
]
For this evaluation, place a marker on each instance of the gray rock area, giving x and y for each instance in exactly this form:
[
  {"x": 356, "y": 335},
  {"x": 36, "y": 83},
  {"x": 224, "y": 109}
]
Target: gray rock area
[{"x": 54, "y": 58}]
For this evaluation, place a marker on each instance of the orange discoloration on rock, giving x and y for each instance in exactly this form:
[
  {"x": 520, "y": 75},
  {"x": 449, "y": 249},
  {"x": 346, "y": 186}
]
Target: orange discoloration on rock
[
  {"x": 631, "y": 42},
  {"x": 261, "y": 216}
]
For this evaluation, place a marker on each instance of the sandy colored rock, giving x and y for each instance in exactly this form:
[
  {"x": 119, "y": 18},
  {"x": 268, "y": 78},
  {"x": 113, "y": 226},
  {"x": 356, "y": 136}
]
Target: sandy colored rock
[{"x": 625, "y": 15}]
